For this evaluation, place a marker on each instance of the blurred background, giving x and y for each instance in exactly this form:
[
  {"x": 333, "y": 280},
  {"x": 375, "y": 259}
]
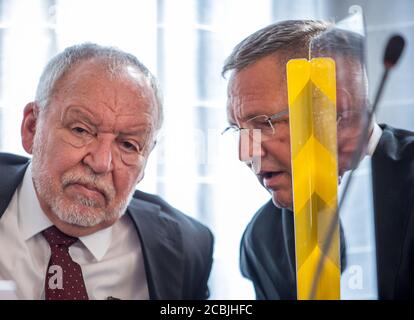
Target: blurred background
[{"x": 184, "y": 43}]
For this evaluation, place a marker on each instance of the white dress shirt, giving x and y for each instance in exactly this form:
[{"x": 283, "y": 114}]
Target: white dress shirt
[
  {"x": 111, "y": 259},
  {"x": 374, "y": 140}
]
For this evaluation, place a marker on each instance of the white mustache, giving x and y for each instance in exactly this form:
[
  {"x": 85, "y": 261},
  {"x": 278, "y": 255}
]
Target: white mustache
[{"x": 90, "y": 180}]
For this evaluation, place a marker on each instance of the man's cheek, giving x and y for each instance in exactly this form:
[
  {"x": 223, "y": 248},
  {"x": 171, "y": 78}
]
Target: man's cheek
[{"x": 123, "y": 183}]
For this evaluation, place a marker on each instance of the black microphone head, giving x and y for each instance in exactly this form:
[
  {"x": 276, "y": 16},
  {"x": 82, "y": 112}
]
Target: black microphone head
[{"x": 393, "y": 51}]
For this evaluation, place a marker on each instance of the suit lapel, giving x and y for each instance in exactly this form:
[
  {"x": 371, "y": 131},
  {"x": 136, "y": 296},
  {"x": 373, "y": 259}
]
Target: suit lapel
[
  {"x": 13, "y": 169},
  {"x": 391, "y": 203},
  {"x": 162, "y": 249}
]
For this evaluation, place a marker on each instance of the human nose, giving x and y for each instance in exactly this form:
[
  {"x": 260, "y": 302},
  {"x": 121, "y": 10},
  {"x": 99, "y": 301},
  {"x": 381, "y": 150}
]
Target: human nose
[{"x": 99, "y": 157}]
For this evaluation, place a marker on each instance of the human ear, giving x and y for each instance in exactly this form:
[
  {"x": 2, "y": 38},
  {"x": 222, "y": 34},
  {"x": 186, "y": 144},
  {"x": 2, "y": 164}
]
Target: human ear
[{"x": 28, "y": 127}]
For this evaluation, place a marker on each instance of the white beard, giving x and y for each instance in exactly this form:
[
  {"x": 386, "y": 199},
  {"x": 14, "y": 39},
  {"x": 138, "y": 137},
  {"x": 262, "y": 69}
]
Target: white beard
[{"x": 82, "y": 211}]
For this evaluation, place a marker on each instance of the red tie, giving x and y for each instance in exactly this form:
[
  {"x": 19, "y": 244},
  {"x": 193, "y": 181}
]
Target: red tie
[{"x": 64, "y": 280}]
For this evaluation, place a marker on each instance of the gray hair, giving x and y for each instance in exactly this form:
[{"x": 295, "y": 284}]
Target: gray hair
[
  {"x": 112, "y": 58},
  {"x": 290, "y": 36},
  {"x": 341, "y": 42}
]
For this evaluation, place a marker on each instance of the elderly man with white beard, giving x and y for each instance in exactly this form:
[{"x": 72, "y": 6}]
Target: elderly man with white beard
[{"x": 72, "y": 225}]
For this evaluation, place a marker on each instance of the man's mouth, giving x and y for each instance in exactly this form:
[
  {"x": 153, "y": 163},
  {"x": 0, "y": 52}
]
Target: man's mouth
[
  {"x": 269, "y": 174},
  {"x": 271, "y": 179},
  {"x": 88, "y": 190},
  {"x": 91, "y": 187}
]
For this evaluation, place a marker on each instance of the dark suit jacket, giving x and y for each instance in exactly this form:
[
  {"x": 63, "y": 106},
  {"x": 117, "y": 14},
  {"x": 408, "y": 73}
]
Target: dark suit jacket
[
  {"x": 267, "y": 252},
  {"x": 177, "y": 249}
]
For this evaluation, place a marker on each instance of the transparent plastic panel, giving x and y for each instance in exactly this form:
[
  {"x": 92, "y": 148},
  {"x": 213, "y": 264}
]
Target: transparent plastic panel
[
  {"x": 345, "y": 43},
  {"x": 328, "y": 111}
]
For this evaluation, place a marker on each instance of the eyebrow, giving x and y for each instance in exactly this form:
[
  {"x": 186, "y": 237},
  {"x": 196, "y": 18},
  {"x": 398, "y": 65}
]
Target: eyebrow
[
  {"x": 135, "y": 132},
  {"x": 274, "y": 116},
  {"x": 84, "y": 114},
  {"x": 279, "y": 114}
]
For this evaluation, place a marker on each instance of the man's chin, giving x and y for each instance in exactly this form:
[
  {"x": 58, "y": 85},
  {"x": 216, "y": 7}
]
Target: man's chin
[
  {"x": 282, "y": 202},
  {"x": 81, "y": 215}
]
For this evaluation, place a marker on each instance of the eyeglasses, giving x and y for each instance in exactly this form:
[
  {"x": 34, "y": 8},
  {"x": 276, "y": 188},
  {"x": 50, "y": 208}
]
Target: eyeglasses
[
  {"x": 128, "y": 150},
  {"x": 265, "y": 125}
]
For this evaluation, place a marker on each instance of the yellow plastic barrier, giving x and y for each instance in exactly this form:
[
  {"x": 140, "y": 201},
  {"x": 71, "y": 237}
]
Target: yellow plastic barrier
[{"x": 312, "y": 113}]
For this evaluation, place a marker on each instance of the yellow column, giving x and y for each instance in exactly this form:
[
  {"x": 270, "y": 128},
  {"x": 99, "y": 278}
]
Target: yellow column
[{"x": 312, "y": 113}]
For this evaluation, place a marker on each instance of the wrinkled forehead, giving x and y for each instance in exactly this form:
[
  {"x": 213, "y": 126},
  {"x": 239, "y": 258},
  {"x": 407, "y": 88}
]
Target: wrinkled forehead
[
  {"x": 126, "y": 94},
  {"x": 97, "y": 78},
  {"x": 256, "y": 89}
]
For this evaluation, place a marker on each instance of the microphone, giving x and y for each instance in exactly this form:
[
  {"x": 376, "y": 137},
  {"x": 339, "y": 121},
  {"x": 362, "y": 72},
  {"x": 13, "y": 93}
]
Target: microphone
[
  {"x": 392, "y": 54},
  {"x": 393, "y": 50}
]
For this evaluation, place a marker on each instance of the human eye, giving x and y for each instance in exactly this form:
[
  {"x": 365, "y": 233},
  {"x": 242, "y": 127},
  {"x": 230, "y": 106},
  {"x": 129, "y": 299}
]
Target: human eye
[
  {"x": 261, "y": 122},
  {"x": 80, "y": 131},
  {"x": 129, "y": 146}
]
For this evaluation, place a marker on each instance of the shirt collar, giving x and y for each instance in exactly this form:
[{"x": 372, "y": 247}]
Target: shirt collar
[
  {"x": 32, "y": 219},
  {"x": 374, "y": 139}
]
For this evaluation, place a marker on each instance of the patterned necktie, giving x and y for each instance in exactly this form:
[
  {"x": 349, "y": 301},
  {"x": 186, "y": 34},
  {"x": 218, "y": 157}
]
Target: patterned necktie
[{"x": 64, "y": 280}]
